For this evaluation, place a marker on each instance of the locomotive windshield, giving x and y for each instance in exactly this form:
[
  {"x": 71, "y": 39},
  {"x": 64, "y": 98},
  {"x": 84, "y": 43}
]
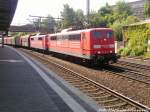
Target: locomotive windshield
[
  {"x": 96, "y": 34},
  {"x": 109, "y": 34}
]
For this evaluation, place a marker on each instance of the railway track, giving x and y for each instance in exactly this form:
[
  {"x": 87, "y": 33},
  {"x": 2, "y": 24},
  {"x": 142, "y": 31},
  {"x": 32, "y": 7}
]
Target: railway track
[
  {"x": 104, "y": 96},
  {"x": 134, "y": 75},
  {"x": 138, "y": 58},
  {"x": 145, "y": 69}
]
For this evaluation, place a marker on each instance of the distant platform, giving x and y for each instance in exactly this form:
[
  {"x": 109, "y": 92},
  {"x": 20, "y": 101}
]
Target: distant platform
[{"x": 27, "y": 86}]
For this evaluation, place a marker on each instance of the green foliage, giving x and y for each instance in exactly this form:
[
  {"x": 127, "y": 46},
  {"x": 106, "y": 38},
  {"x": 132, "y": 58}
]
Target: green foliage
[
  {"x": 106, "y": 16},
  {"x": 137, "y": 36},
  {"x": 58, "y": 26},
  {"x": 147, "y": 55},
  {"x": 147, "y": 8},
  {"x": 131, "y": 19},
  {"x": 80, "y": 18},
  {"x": 126, "y": 51},
  {"x": 122, "y": 15},
  {"x": 117, "y": 27},
  {"x": 137, "y": 51},
  {"x": 48, "y": 24},
  {"x": 123, "y": 8},
  {"x": 120, "y": 50},
  {"x": 96, "y": 20},
  {"x": 69, "y": 17},
  {"x": 105, "y": 10}
]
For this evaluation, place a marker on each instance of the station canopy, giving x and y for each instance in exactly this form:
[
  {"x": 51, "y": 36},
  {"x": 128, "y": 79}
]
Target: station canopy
[{"x": 7, "y": 10}]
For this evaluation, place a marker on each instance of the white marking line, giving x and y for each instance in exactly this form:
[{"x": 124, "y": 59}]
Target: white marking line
[
  {"x": 67, "y": 98},
  {"x": 11, "y": 61}
]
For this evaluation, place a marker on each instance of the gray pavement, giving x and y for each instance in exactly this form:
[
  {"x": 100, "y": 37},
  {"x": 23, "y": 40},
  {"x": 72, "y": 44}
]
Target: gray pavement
[
  {"x": 26, "y": 87},
  {"x": 22, "y": 89}
]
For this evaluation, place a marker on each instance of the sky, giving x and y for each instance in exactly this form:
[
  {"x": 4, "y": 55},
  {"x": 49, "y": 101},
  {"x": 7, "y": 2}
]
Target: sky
[{"x": 52, "y": 7}]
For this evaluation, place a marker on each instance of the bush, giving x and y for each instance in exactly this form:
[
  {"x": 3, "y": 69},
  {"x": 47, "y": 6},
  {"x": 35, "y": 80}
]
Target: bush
[
  {"x": 137, "y": 36},
  {"x": 120, "y": 50},
  {"x": 147, "y": 55},
  {"x": 137, "y": 51},
  {"x": 126, "y": 51}
]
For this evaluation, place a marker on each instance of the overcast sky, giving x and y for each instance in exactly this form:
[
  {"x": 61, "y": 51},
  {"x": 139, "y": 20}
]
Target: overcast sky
[{"x": 52, "y": 7}]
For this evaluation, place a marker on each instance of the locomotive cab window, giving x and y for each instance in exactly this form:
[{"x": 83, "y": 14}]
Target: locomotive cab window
[
  {"x": 109, "y": 34},
  {"x": 96, "y": 34}
]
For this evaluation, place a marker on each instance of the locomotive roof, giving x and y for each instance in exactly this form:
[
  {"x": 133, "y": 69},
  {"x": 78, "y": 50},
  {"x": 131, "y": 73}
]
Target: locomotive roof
[
  {"x": 38, "y": 35},
  {"x": 24, "y": 36},
  {"x": 9, "y": 37},
  {"x": 79, "y": 31}
]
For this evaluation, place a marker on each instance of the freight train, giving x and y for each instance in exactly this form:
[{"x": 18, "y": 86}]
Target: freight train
[{"x": 95, "y": 45}]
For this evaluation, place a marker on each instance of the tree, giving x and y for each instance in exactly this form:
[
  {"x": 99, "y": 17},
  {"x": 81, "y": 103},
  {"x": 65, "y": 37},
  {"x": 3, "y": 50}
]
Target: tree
[
  {"x": 105, "y": 10},
  {"x": 122, "y": 15},
  {"x": 48, "y": 24},
  {"x": 147, "y": 8},
  {"x": 58, "y": 26},
  {"x": 117, "y": 27},
  {"x": 36, "y": 23},
  {"x": 123, "y": 8},
  {"x": 96, "y": 20},
  {"x": 131, "y": 20},
  {"x": 80, "y": 19},
  {"x": 69, "y": 16}
]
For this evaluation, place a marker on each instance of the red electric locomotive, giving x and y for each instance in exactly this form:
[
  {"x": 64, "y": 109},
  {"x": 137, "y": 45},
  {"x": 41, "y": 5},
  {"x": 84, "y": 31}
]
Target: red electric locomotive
[{"x": 94, "y": 45}]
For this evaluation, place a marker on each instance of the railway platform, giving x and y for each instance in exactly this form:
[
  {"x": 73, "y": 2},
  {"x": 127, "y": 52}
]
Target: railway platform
[{"x": 27, "y": 86}]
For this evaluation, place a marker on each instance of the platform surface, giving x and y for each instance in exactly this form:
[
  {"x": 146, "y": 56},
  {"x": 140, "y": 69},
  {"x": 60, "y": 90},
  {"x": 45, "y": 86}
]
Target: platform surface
[{"x": 23, "y": 90}]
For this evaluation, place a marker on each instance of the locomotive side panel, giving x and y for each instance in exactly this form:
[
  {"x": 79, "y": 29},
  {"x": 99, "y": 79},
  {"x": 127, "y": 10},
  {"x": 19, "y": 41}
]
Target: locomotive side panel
[
  {"x": 25, "y": 41},
  {"x": 69, "y": 44},
  {"x": 38, "y": 42}
]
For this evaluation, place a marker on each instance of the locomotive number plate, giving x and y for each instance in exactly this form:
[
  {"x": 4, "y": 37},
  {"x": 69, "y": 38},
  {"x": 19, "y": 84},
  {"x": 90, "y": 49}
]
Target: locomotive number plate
[{"x": 97, "y": 46}]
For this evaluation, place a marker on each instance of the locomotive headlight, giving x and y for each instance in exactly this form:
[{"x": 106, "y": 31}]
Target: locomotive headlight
[
  {"x": 99, "y": 52},
  {"x": 111, "y": 46}
]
